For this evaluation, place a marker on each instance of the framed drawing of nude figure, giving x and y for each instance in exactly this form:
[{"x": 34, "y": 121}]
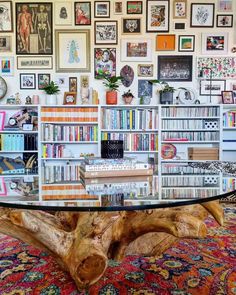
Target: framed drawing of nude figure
[{"x": 34, "y": 28}]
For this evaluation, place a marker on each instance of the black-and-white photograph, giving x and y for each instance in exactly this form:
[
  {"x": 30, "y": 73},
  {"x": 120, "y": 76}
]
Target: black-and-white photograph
[
  {"x": 105, "y": 32},
  {"x": 27, "y": 81},
  {"x": 131, "y": 26},
  {"x": 213, "y": 87},
  {"x": 5, "y": 44}
]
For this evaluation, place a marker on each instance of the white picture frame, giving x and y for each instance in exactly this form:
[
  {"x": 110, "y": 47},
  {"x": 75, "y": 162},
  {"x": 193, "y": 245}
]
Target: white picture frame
[
  {"x": 63, "y": 13},
  {"x": 136, "y": 49},
  {"x": 157, "y": 9},
  {"x": 215, "y": 44},
  {"x": 5, "y": 44},
  {"x": 225, "y": 5}
]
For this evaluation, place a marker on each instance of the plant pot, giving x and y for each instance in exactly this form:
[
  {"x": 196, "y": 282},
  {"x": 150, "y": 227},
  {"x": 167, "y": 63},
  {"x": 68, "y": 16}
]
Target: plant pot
[
  {"x": 127, "y": 99},
  {"x": 51, "y": 99},
  {"x": 111, "y": 97},
  {"x": 166, "y": 97}
]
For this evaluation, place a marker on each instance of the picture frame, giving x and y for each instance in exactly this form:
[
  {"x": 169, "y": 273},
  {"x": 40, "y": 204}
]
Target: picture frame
[
  {"x": 180, "y": 9},
  {"x": 63, "y": 13},
  {"x": 216, "y": 87},
  {"x": 73, "y": 84},
  {"x": 145, "y": 70},
  {"x": 216, "y": 43},
  {"x": 27, "y": 81},
  {"x": 70, "y": 98},
  {"x": 227, "y": 97},
  {"x": 134, "y": 7},
  {"x": 225, "y": 5},
  {"x": 224, "y": 20},
  {"x": 2, "y": 120},
  {"x": 82, "y": 12},
  {"x": 165, "y": 42},
  {"x": 102, "y": 9},
  {"x": 136, "y": 50},
  {"x": 7, "y": 66},
  {"x": 145, "y": 91},
  {"x": 43, "y": 80},
  {"x": 5, "y": 44},
  {"x": 72, "y": 50},
  {"x": 182, "y": 71},
  {"x": 27, "y": 127},
  {"x": 104, "y": 62},
  {"x": 118, "y": 7},
  {"x": 131, "y": 26},
  {"x": 62, "y": 82},
  {"x": 179, "y": 26},
  {"x": 39, "y": 15},
  {"x": 106, "y": 32},
  {"x": 34, "y": 62},
  {"x": 157, "y": 16},
  {"x": 202, "y": 15},
  {"x": 6, "y": 16},
  {"x": 3, "y": 188},
  {"x": 186, "y": 43}
]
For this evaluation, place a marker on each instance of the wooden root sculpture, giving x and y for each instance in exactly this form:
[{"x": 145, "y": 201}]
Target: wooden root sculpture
[{"x": 83, "y": 242}]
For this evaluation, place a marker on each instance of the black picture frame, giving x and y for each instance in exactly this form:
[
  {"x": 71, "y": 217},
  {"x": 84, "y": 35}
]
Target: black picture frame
[
  {"x": 212, "y": 82},
  {"x": 175, "y": 68},
  {"x": 158, "y": 28},
  {"x": 30, "y": 84},
  {"x": 131, "y": 26},
  {"x": 100, "y": 37},
  {"x": 201, "y": 19},
  {"x": 134, "y": 11},
  {"x": 227, "y": 97},
  {"x": 179, "y": 26},
  {"x": 107, "y": 15},
  {"x": 84, "y": 21},
  {"x": 231, "y": 16},
  {"x": 185, "y": 49},
  {"x": 41, "y": 78}
]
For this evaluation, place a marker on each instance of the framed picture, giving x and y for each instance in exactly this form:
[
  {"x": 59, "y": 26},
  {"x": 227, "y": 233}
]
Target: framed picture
[
  {"x": 43, "y": 80},
  {"x": 63, "y": 13},
  {"x": 145, "y": 90},
  {"x": 186, "y": 42},
  {"x": 34, "y": 28},
  {"x": 27, "y": 81},
  {"x": 62, "y": 82},
  {"x": 3, "y": 189},
  {"x": 73, "y": 84},
  {"x": 179, "y": 26},
  {"x": 157, "y": 16},
  {"x": 202, "y": 15},
  {"x": 6, "y": 19},
  {"x": 105, "y": 32},
  {"x": 175, "y": 68},
  {"x": 34, "y": 62},
  {"x": 145, "y": 70},
  {"x": 2, "y": 119},
  {"x": 104, "y": 62},
  {"x": 72, "y": 50},
  {"x": 69, "y": 98},
  {"x": 165, "y": 42},
  {"x": 216, "y": 43},
  {"x": 131, "y": 25},
  {"x": 134, "y": 7},
  {"x": 82, "y": 13},
  {"x": 224, "y": 20},
  {"x": 225, "y": 5},
  {"x": 118, "y": 7},
  {"x": 213, "y": 87},
  {"x": 227, "y": 97},
  {"x": 102, "y": 9},
  {"x": 136, "y": 50},
  {"x": 180, "y": 9},
  {"x": 7, "y": 66},
  {"x": 5, "y": 44}
]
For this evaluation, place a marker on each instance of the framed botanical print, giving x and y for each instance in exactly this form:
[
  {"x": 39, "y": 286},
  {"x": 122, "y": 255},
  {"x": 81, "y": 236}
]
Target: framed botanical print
[
  {"x": 186, "y": 43},
  {"x": 212, "y": 87},
  {"x": 134, "y": 7},
  {"x": 43, "y": 80},
  {"x": 82, "y": 13},
  {"x": 102, "y": 9},
  {"x": 180, "y": 9},
  {"x": 6, "y": 19},
  {"x": 104, "y": 62},
  {"x": 224, "y": 20},
  {"x": 202, "y": 15},
  {"x": 157, "y": 15},
  {"x": 63, "y": 13},
  {"x": 5, "y": 44},
  {"x": 105, "y": 32},
  {"x": 136, "y": 49},
  {"x": 131, "y": 25},
  {"x": 34, "y": 28},
  {"x": 27, "y": 81},
  {"x": 165, "y": 42},
  {"x": 216, "y": 43}
]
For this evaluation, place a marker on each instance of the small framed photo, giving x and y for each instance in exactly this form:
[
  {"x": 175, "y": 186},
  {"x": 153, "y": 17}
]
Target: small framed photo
[
  {"x": 145, "y": 70},
  {"x": 165, "y": 42},
  {"x": 27, "y": 81},
  {"x": 27, "y": 127},
  {"x": 186, "y": 43},
  {"x": 62, "y": 82},
  {"x": 5, "y": 44},
  {"x": 224, "y": 20},
  {"x": 136, "y": 50},
  {"x": 212, "y": 87},
  {"x": 131, "y": 25},
  {"x": 63, "y": 13},
  {"x": 180, "y": 9},
  {"x": 2, "y": 119},
  {"x": 73, "y": 84},
  {"x": 43, "y": 80},
  {"x": 145, "y": 90},
  {"x": 202, "y": 15},
  {"x": 105, "y": 32},
  {"x": 7, "y": 66},
  {"x": 225, "y": 5},
  {"x": 134, "y": 7},
  {"x": 118, "y": 7},
  {"x": 102, "y": 9},
  {"x": 227, "y": 97},
  {"x": 179, "y": 26},
  {"x": 104, "y": 62},
  {"x": 157, "y": 16},
  {"x": 70, "y": 98},
  {"x": 216, "y": 43},
  {"x": 6, "y": 22},
  {"x": 82, "y": 13},
  {"x": 3, "y": 188}
]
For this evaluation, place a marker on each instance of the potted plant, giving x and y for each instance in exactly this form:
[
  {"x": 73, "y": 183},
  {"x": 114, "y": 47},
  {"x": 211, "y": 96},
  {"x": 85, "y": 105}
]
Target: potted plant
[
  {"x": 166, "y": 91},
  {"x": 51, "y": 90},
  {"x": 112, "y": 84},
  {"x": 127, "y": 97}
]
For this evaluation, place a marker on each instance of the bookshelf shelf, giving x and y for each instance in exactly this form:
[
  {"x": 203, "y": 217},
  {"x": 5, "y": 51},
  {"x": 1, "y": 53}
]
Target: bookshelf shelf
[
  {"x": 63, "y": 159},
  {"x": 18, "y": 132},
  {"x": 189, "y": 141},
  {"x": 129, "y": 130},
  {"x": 140, "y": 152},
  {"x": 197, "y": 130},
  {"x": 18, "y": 175},
  {"x": 70, "y": 142},
  {"x": 70, "y": 123},
  {"x": 20, "y": 151},
  {"x": 189, "y": 118}
]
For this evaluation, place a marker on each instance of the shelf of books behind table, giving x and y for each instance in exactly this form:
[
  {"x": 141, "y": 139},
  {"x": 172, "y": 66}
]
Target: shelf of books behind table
[{"x": 19, "y": 152}]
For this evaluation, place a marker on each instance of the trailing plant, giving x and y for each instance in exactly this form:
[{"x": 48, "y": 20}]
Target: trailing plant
[{"x": 51, "y": 88}]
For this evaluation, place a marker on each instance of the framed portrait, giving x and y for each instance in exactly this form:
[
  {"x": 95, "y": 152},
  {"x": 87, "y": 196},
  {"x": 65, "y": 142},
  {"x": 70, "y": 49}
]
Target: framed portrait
[
  {"x": 180, "y": 9},
  {"x": 216, "y": 43},
  {"x": 7, "y": 66},
  {"x": 224, "y": 20},
  {"x": 134, "y": 7},
  {"x": 43, "y": 80},
  {"x": 136, "y": 49},
  {"x": 82, "y": 13},
  {"x": 102, "y": 9},
  {"x": 131, "y": 25},
  {"x": 179, "y": 26},
  {"x": 69, "y": 98},
  {"x": 225, "y": 5},
  {"x": 186, "y": 43},
  {"x": 145, "y": 70},
  {"x": 5, "y": 44},
  {"x": 73, "y": 84},
  {"x": 27, "y": 81},
  {"x": 2, "y": 119},
  {"x": 145, "y": 90},
  {"x": 118, "y": 7},
  {"x": 6, "y": 20},
  {"x": 63, "y": 13},
  {"x": 157, "y": 15},
  {"x": 227, "y": 97},
  {"x": 213, "y": 87},
  {"x": 104, "y": 62},
  {"x": 3, "y": 188},
  {"x": 175, "y": 68},
  {"x": 72, "y": 50},
  {"x": 202, "y": 15},
  {"x": 165, "y": 42},
  {"x": 34, "y": 62},
  {"x": 34, "y": 28},
  {"x": 105, "y": 32}
]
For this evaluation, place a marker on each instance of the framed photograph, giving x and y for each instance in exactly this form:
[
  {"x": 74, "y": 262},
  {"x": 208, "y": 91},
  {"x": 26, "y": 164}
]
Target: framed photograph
[
  {"x": 27, "y": 81},
  {"x": 105, "y": 32},
  {"x": 34, "y": 28},
  {"x": 34, "y": 62},
  {"x": 63, "y": 13},
  {"x": 145, "y": 90},
  {"x": 216, "y": 43},
  {"x": 43, "y": 80},
  {"x": 180, "y": 9},
  {"x": 227, "y": 97},
  {"x": 104, "y": 62},
  {"x": 213, "y": 87},
  {"x": 224, "y": 20},
  {"x": 72, "y": 50},
  {"x": 5, "y": 44},
  {"x": 202, "y": 15},
  {"x": 175, "y": 68},
  {"x": 6, "y": 19},
  {"x": 7, "y": 66},
  {"x": 145, "y": 70},
  {"x": 82, "y": 13},
  {"x": 73, "y": 84},
  {"x": 186, "y": 43},
  {"x": 179, "y": 26},
  {"x": 157, "y": 16},
  {"x": 2, "y": 119},
  {"x": 102, "y": 9},
  {"x": 136, "y": 50},
  {"x": 69, "y": 98},
  {"x": 225, "y": 5},
  {"x": 131, "y": 25},
  {"x": 134, "y": 7},
  {"x": 165, "y": 42},
  {"x": 118, "y": 7},
  {"x": 62, "y": 82},
  {"x": 3, "y": 188}
]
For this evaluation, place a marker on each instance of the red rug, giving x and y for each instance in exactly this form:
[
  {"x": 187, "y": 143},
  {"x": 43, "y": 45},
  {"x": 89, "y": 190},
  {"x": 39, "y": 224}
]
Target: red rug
[{"x": 206, "y": 266}]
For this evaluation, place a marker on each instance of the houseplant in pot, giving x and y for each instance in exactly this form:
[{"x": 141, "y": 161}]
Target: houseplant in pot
[
  {"x": 51, "y": 89},
  {"x": 128, "y": 97},
  {"x": 166, "y": 91},
  {"x": 112, "y": 84}
]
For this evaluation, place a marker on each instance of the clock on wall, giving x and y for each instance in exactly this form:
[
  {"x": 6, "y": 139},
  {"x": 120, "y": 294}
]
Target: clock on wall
[{"x": 3, "y": 87}]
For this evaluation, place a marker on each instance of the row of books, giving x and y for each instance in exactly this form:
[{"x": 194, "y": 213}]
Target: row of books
[
  {"x": 58, "y": 173},
  {"x": 190, "y": 136},
  {"x": 18, "y": 142},
  {"x": 189, "y": 181},
  {"x": 229, "y": 184},
  {"x": 189, "y": 193},
  {"x": 53, "y": 151},
  {"x": 52, "y": 132},
  {"x": 185, "y": 124},
  {"x": 190, "y": 112},
  {"x": 229, "y": 119},
  {"x": 144, "y": 119},
  {"x": 182, "y": 169}
]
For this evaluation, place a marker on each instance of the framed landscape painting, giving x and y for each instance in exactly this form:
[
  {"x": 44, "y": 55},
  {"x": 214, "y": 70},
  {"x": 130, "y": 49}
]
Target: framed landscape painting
[
  {"x": 186, "y": 43},
  {"x": 157, "y": 16},
  {"x": 136, "y": 50},
  {"x": 102, "y": 9}
]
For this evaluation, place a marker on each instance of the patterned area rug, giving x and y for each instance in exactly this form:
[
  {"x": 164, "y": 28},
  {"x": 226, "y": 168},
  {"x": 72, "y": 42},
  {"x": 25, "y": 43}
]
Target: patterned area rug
[{"x": 190, "y": 266}]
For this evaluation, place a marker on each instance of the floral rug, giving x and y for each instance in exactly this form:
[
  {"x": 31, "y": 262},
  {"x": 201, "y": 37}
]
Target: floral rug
[{"x": 190, "y": 266}]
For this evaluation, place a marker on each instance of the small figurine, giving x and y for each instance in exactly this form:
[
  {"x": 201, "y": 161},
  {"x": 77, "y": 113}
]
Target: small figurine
[
  {"x": 84, "y": 91},
  {"x": 17, "y": 98},
  {"x": 28, "y": 100}
]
